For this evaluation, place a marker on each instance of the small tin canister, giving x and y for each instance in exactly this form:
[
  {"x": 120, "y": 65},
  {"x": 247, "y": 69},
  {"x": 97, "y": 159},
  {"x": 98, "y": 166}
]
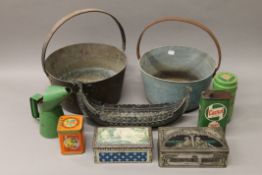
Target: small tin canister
[
  {"x": 192, "y": 147},
  {"x": 70, "y": 133},
  {"x": 228, "y": 82},
  {"x": 213, "y": 109},
  {"x": 123, "y": 144}
]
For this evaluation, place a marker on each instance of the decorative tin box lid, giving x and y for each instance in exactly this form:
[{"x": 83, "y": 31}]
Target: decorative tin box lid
[
  {"x": 123, "y": 137},
  {"x": 70, "y": 123},
  {"x": 192, "y": 139}
]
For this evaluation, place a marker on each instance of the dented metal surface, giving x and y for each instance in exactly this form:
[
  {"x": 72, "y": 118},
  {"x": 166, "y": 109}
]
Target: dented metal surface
[{"x": 100, "y": 67}]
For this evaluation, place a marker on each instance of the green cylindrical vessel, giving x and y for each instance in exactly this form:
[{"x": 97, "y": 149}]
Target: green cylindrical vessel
[
  {"x": 226, "y": 81},
  {"x": 49, "y": 121}
]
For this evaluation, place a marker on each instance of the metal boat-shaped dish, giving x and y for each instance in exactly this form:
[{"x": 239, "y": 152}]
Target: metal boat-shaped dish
[{"x": 153, "y": 115}]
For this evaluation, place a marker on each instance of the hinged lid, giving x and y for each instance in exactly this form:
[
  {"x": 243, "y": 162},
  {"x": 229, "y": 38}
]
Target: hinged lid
[
  {"x": 70, "y": 123},
  {"x": 123, "y": 137},
  {"x": 192, "y": 139}
]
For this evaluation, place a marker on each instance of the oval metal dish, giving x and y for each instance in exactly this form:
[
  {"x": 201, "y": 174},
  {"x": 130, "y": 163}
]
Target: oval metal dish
[{"x": 153, "y": 115}]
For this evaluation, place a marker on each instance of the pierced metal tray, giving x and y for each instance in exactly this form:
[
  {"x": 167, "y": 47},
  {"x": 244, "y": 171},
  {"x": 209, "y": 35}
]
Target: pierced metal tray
[{"x": 153, "y": 115}]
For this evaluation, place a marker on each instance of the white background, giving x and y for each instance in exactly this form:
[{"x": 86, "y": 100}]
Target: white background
[{"x": 24, "y": 25}]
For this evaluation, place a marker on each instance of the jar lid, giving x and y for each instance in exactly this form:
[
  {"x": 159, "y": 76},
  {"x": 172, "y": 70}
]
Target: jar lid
[
  {"x": 226, "y": 79},
  {"x": 70, "y": 123}
]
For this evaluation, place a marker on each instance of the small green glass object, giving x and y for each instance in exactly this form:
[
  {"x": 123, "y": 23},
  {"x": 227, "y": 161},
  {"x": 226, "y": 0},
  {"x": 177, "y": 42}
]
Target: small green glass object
[
  {"x": 228, "y": 82},
  {"x": 50, "y": 109}
]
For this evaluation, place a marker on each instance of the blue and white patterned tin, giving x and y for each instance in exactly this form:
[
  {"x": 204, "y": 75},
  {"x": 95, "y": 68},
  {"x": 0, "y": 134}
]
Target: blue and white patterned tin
[
  {"x": 122, "y": 156},
  {"x": 123, "y": 144}
]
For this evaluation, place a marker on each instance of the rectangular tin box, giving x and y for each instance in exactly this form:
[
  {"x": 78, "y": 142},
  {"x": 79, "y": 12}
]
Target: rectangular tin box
[
  {"x": 122, "y": 144},
  {"x": 192, "y": 147}
]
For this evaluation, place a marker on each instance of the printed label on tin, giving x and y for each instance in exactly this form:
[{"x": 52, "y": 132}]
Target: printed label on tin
[
  {"x": 72, "y": 142},
  {"x": 214, "y": 113},
  {"x": 226, "y": 76},
  {"x": 123, "y": 156},
  {"x": 70, "y": 123},
  {"x": 114, "y": 136}
]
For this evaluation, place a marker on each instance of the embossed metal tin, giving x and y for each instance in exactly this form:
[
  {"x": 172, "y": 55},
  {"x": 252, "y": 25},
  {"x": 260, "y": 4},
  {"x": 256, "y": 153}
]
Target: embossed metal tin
[
  {"x": 192, "y": 147},
  {"x": 123, "y": 144}
]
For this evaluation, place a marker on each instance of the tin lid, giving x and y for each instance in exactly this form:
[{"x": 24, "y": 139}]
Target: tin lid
[
  {"x": 192, "y": 139},
  {"x": 70, "y": 123},
  {"x": 225, "y": 80},
  {"x": 123, "y": 137}
]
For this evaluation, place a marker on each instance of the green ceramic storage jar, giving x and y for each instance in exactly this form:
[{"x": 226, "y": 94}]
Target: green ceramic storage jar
[{"x": 226, "y": 81}]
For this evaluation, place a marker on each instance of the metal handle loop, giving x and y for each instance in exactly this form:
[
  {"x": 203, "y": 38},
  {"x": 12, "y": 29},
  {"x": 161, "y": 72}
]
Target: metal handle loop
[
  {"x": 184, "y": 20},
  {"x": 70, "y": 16}
]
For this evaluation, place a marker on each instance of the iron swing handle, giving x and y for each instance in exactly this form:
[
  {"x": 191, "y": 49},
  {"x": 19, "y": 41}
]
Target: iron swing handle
[
  {"x": 67, "y": 18},
  {"x": 183, "y": 20}
]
